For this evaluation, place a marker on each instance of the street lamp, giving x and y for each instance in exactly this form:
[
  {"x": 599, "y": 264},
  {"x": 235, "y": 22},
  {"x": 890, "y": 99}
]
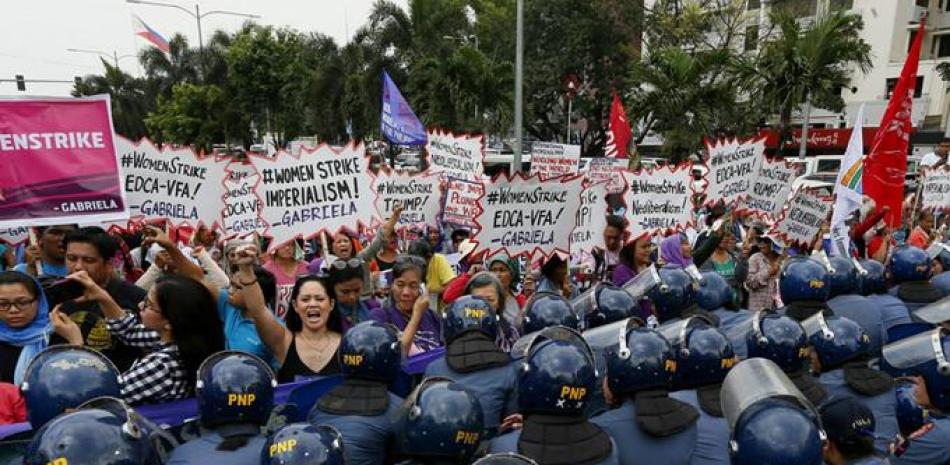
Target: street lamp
[
  {"x": 198, "y": 15},
  {"x": 114, "y": 55},
  {"x": 519, "y": 71}
]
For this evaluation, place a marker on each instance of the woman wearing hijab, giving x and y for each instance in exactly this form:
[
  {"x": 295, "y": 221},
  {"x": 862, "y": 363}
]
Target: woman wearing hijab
[
  {"x": 24, "y": 324},
  {"x": 675, "y": 251}
]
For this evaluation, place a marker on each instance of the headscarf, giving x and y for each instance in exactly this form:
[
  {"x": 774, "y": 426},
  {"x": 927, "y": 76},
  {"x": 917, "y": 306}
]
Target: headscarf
[
  {"x": 513, "y": 267},
  {"x": 438, "y": 247},
  {"x": 672, "y": 253},
  {"x": 33, "y": 338}
]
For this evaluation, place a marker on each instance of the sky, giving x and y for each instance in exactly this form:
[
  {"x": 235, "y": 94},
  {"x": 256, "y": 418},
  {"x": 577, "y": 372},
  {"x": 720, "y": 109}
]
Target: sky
[{"x": 35, "y": 34}]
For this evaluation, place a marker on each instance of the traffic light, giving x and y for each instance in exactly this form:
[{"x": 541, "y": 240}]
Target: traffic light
[{"x": 20, "y": 83}]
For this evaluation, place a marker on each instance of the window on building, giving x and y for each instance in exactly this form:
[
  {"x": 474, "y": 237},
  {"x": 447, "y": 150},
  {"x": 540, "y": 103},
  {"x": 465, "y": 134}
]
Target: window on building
[
  {"x": 751, "y": 38},
  {"x": 828, "y": 166},
  {"x": 753, "y": 4},
  {"x": 922, "y": 3},
  {"x": 910, "y": 39},
  {"x": 840, "y": 5},
  {"x": 942, "y": 45},
  {"x": 946, "y": 5},
  {"x": 892, "y": 82}
]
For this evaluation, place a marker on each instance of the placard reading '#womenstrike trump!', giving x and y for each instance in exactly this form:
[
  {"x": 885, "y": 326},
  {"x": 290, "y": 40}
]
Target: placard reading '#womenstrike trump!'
[
  {"x": 58, "y": 162},
  {"x": 321, "y": 190}
]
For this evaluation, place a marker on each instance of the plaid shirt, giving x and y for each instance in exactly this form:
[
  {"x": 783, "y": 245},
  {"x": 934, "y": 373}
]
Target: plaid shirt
[{"x": 158, "y": 376}]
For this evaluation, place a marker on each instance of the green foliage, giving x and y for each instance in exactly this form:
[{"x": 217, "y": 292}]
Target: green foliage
[{"x": 182, "y": 118}]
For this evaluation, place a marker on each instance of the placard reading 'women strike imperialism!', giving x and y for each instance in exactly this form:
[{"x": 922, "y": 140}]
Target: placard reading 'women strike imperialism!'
[
  {"x": 172, "y": 184},
  {"x": 658, "y": 200},
  {"x": 58, "y": 162},
  {"x": 524, "y": 215},
  {"x": 322, "y": 190},
  {"x": 733, "y": 167},
  {"x": 802, "y": 221},
  {"x": 419, "y": 196},
  {"x": 243, "y": 209},
  {"x": 454, "y": 156}
]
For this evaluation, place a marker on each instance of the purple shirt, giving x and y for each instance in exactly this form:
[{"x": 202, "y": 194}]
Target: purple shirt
[{"x": 429, "y": 334}]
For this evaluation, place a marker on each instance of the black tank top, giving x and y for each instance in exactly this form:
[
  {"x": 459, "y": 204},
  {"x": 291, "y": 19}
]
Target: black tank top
[{"x": 293, "y": 366}]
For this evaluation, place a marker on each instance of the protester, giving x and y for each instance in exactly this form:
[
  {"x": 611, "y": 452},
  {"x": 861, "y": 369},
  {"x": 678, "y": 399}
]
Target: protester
[
  {"x": 762, "y": 282},
  {"x": 458, "y": 236},
  {"x": 438, "y": 271},
  {"x": 163, "y": 264},
  {"x": 938, "y": 157},
  {"x": 50, "y": 253},
  {"x": 922, "y": 235},
  {"x": 727, "y": 261},
  {"x": 387, "y": 256},
  {"x": 346, "y": 277},
  {"x": 408, "y": 307},
  {"x": 555, "y": 278},
  {"x": 176, "y": 325},
  {"x": 488, "y": 287},
  {"x": 507, "y": 270},
  {"x": 633, "y": 258},
  {"x": 89, "y": 249},
  {"x": 24, "y": 324},
  {"x": 286, "y": 263}
]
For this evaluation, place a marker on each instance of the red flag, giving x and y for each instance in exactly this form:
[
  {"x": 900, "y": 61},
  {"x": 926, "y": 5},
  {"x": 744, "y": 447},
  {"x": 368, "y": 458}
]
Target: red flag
[
  {"x": 886, "y": 165},
  {"x": 618, "y": 138}
]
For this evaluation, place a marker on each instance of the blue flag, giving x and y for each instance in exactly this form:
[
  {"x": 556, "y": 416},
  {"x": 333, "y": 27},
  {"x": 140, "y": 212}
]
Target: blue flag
[{"x": 399, "y": 123}]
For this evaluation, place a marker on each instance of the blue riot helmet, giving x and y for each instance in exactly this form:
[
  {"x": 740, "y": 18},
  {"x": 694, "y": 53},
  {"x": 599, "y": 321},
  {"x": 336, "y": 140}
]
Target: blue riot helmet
[
  {"x": 557, "y": 373},
  {"x": 643, "y": 360},
  {"x": 923, "y": 355},
  {"x": 836, "y": 339},
  {"x": 714, "y": 292},
  {"x": 441, "y": 419},
  {"x": 64, "y": 377},
  {"x": 304, "y": 444},
  {"x": 874, "y": 280},
  {"x": 704, "y": 356},
  {"x": 603, "y": 304},
  {"x": 803, "y": 279},
  {"x": 845, "y": 278},
  {"x": 90, "y": 437},
  {"x": 908, "y": 264},
  {"x": 778, "y": 338},
  {"x": 910, "y": 415},
  {"x": 371, "y": 350},
  {"x": 545, "y": 309},
  {"x": 505, "y": 458},
  {"x": 235, "y": 387},
  {"x": 469, "y": 313},
  {"x": 674, "y": 295},
  {"x": 770, "y": 419}
]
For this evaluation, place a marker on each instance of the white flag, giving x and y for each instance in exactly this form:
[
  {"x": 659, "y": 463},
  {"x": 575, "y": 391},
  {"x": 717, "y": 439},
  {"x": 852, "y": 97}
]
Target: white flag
[{"x": 848, "y": 185}]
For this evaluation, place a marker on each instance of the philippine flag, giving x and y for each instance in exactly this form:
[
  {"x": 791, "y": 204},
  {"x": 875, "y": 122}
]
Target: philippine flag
[{"x": 149, "y": 34}]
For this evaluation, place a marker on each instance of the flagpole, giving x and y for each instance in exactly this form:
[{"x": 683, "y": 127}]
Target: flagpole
[{"x": 519, "y": 71}]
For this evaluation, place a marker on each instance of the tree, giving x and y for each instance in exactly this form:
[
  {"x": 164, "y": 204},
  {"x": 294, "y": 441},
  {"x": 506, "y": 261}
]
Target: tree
[
  {"x": 128, "y": 96},
  {"x": 802, "y": 64},
  {"x": 164, "y": 71},
  {"x": 183, "y": 118}
]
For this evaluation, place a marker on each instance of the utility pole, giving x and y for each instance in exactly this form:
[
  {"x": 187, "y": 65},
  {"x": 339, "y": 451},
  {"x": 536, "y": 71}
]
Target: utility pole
[{"x": 519, "y": 71}]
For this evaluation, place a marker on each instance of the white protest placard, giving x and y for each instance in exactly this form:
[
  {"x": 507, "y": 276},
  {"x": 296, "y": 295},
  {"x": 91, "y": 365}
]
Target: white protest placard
[
  {"x": 659, "y": 200},
  {"x": 733, "y": 166},
  {"x": 802, "y": 221},
  {"x": 550, "y": 160},
  {"x": 460, "y": 206},
  {"x": 609, "y": 170},
  {"x": 15, "y": 236},
  {"x": 524, "y": 215},
  {"x": 461, "y": 156},
  {"x": 418, "y": 195},
  {"x": 935, "y": 192},
  {"x": 172, "y": 184},
  {"x": 243, "y": 210},
  {"x": 590, "y": 220},
  {"x": 321, "y": 190},
  {"x": 771, "y": 188}
]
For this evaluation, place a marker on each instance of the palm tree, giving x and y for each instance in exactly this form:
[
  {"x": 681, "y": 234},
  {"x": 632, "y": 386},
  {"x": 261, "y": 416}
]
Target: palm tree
[
  {"x": 129, "y": 103},
  {"x": 179, "y": 66},
  {"x": 805, "y": 64}
]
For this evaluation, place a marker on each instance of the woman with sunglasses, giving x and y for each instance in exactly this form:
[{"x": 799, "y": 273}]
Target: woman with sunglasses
[
  {"x": 285, "y": 266},
  {"x": 343, "y": 247},
  {"x": 346, "y": 278},
  {"x": 408, "y": 307},
  {"x": 175, "y": 326}
]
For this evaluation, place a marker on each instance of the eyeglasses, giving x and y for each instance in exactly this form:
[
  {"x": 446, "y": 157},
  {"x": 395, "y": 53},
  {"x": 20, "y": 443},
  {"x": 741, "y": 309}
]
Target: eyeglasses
[
  {"x": 148, "y": 304},
  {"x": 19, "y": 304},
  {"x": 350, "y": 264}
]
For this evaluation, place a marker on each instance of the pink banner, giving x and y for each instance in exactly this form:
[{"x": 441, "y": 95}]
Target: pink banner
[{"x": 58, "y": 162}]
